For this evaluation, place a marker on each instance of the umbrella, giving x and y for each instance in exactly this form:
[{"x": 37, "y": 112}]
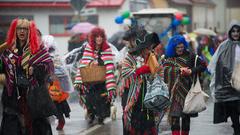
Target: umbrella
[
  {"x": 69, "y": 26},
  {"x": 83, "y": 27},
  {"x": 204, "y": 31}
]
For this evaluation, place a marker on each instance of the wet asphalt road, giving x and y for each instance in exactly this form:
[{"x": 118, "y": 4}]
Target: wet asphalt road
[{"x": 77, "y": 125}]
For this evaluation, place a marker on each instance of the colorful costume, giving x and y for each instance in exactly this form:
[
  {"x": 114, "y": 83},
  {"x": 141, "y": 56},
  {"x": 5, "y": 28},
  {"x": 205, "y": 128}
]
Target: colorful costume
[
  {"x": 95, "y": 96},
  {"x": 18, "y": 118}
]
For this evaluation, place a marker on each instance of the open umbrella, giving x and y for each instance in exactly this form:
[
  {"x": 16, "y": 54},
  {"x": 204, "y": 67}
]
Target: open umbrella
[
  {"x": 83, "y": 27},
  {"x": 204, "y": 31}
]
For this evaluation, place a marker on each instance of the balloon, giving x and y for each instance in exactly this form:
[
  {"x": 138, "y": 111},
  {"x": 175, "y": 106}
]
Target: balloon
[
  {"x": 185, "y": 20},
  {"x": 178, "y": 16},
  {"x": 126, "y": 14},
  {"x": 127, "y": 22},
  {"x": 119, "y": 19},
  {"x": 176, "y": 22}
]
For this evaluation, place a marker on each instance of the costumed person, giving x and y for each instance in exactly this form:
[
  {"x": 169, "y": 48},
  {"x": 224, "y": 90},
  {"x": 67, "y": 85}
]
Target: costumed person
[
  {"x": 136, "y": 118},
  {"x": 221, "y": 67},
  {"x": 97, "y": 96},
  {"x": 179, "y": 70},
  {"x": 27, "y": 65},
  {"x": 60, "y": 83},
  {"x": 60, "y": 99}
]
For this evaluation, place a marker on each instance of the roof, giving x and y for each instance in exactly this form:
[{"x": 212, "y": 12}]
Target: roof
[
  {"x": 59, "y": 3},
  {"x": 105, "y": 3},
  {"x": 39, "y": 3},
  {"x": 157, "y": 11},
  {"x": 35, "y": 0}
]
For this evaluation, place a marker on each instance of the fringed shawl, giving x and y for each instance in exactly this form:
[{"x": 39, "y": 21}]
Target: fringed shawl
[
  {"x": 10, "y": 60},
  {"x": 128, "y": 80},
  {"x": 107, "y": 57},
  {"x": 172, "y": 74}
]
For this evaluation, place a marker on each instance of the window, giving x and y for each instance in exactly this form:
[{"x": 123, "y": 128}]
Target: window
[
  {"x": 57, "y": 24},
  {"x": 5, "y": 24},
  {"x": 136, "y": 5}
]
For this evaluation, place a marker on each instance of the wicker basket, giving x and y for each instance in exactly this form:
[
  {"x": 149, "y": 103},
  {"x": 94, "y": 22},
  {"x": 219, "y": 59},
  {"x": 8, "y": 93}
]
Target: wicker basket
[{"x": 93, "y": 74}]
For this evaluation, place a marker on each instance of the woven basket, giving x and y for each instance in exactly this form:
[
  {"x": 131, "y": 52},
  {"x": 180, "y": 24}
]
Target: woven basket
[{"x": 93, "y": 74}]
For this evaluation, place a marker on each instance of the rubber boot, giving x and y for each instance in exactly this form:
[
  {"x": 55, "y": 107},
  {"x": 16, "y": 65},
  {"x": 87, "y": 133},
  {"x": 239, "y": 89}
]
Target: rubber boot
[
  {"x": 175, "y": 132},
  {"x": 185, "y": 133},
  {"x": 61, "y": 124}
]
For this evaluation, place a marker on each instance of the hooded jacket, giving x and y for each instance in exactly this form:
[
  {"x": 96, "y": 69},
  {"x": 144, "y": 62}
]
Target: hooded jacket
[{"x": 221, "y": 68}]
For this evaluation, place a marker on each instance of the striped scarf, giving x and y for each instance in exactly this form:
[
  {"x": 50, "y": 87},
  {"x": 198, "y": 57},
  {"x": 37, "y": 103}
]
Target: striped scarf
[
  {"x": 172, "y": 72},
  {"x": 11, "y": 59},
  {"x": 107, "y": 57},
  {"x": 128, "y": 80}
]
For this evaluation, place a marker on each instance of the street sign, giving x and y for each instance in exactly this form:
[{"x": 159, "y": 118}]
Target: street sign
[
  {"x": 88, "y": 11},
  {"x": 78, "y": 4}
]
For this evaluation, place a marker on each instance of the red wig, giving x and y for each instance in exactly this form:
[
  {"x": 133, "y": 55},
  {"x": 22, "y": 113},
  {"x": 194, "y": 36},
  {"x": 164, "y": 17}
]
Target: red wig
[
  {"x": 32, "y": 35},
  {"x": 34, "y": 45},
  {"x": 95, "y": 33},
  {"x": 11, "y": 37}
]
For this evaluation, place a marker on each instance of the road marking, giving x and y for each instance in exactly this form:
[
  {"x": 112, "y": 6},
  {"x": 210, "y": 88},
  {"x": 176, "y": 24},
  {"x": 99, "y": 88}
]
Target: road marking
[{"x": 95, "y": 127}]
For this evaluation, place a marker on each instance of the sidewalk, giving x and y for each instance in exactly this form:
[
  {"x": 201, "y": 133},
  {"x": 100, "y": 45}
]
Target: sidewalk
[{"x": 202, "y": 125}]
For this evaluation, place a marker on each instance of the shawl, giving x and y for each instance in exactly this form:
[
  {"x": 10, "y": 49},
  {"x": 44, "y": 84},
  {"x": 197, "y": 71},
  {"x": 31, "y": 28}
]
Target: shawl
[
  {"x": 10, "y": 59},
  {"x": 172, "y": 74},
  {"x": 107, "y": 57},
  {"x": 129, "y": 80}
]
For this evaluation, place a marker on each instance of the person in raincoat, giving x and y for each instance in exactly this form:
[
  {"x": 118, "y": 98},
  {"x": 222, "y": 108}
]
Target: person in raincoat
[
  {"x": 60, "y": 99},
  {"x": 226, "y": 97},
  {"x": 59, "y": 83}
]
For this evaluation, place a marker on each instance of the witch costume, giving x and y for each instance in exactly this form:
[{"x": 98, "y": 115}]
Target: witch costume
[
  {"x": 25, "y": 98},
  {"x": 96, "y": 96},
  {"x": 226, "y": 98},
  {"x": 179, "y": 85},
  {"x": 137, "y": 120}
]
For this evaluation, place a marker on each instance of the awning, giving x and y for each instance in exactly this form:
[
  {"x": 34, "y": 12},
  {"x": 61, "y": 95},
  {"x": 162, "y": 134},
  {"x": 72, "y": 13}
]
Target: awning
[{"x": 183, "y": 2}]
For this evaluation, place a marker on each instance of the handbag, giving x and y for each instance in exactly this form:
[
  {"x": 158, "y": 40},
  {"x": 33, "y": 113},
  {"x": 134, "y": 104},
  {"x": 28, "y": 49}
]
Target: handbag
[
  {"x": 22, "y": 81},
  {"x": 195, "y": 100},
  {"x": 153, "y": 63},
  {"x": 157, "y": 95},
  {"x": 235, "y": 80}
]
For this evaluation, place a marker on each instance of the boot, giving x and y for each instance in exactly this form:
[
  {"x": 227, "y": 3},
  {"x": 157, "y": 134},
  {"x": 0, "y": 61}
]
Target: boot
[
  {"x": 100, "y": 121},
  {"x": 61, "y": 124},
  {"x": 91, "y": 118},
  {"x": 185, "y": 133},
  {"x": 236, "y": 129},
  {"x": 175, "y": 132}
]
